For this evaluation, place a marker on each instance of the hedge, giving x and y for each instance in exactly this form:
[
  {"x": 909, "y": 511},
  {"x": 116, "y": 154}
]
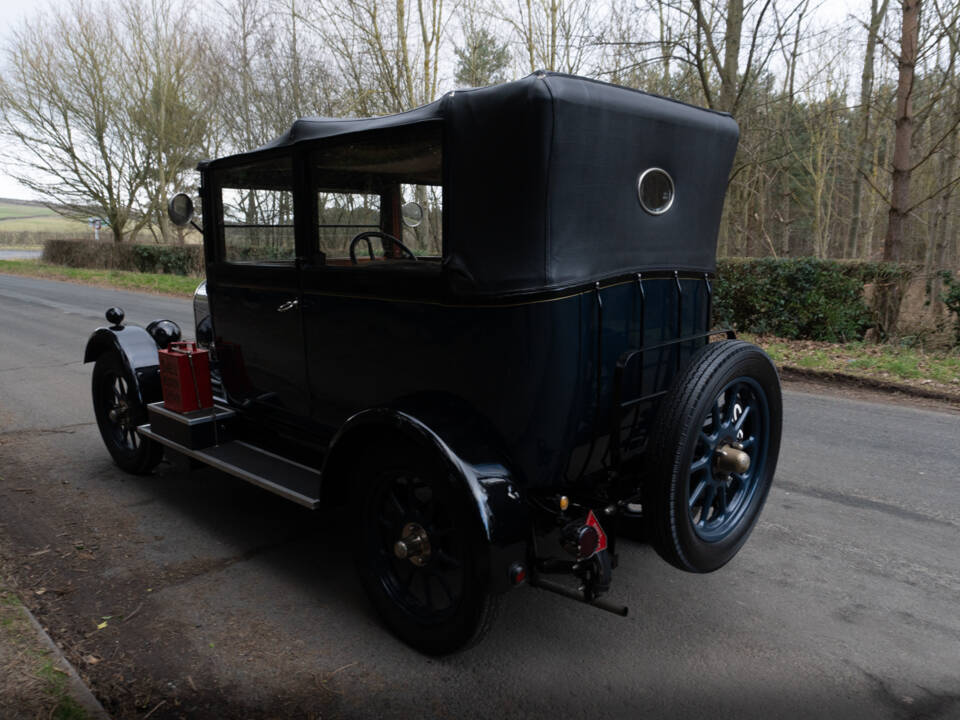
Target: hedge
[
  {"x": 800, "y": 298},
  {"x": 170, "y": 259},
  {"x": 797, "y": 298}
]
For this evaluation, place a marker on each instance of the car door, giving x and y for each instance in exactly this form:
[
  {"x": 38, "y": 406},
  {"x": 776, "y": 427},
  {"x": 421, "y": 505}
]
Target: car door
[{"x": 254, "y": 290}]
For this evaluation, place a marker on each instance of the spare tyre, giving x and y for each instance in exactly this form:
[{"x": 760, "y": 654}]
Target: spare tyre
[{"x": 713, "y": 455}]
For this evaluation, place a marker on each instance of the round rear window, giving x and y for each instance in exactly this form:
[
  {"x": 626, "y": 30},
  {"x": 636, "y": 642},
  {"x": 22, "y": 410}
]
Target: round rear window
[{"x": 655, "y": 189}]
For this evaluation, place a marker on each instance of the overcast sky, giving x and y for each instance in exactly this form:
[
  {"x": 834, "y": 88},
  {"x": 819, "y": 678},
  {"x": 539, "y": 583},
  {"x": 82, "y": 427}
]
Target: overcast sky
[{"x": 12, "y": 12}]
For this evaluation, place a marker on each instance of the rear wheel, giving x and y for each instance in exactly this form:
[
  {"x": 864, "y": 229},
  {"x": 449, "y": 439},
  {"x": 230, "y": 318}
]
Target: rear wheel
[
  {"x": 119, "y": 411},
  {"x": 713, "y": 455},
  {"x": 420, "y": 553}
]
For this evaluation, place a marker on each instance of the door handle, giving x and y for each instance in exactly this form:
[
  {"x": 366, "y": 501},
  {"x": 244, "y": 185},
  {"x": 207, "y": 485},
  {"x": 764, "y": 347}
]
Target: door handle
[{"x": 288, "y": 305}]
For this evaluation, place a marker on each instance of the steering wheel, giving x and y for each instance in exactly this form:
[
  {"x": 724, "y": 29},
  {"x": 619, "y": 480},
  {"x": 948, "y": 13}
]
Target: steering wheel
[{"x": 383, "y": 236}]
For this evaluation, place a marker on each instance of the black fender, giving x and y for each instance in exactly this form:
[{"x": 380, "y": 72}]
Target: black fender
[
  {"x": 470, "y": 452},
  {"x": 137, "y": 349}
]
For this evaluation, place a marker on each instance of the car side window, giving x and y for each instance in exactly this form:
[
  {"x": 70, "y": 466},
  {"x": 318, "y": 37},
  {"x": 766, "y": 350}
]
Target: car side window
[
  {"x": 257, "y": 220},
  {"x": 425, "y": 237},
  {"x": 340, "y": 217}
]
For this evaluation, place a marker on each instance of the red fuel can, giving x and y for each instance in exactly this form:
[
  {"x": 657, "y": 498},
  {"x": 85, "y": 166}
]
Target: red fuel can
[{"x": 185, "y": 377}]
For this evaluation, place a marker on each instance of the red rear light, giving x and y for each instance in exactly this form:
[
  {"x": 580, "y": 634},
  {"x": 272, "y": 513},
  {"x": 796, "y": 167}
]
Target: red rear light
[{"x": 587, "y": 540}]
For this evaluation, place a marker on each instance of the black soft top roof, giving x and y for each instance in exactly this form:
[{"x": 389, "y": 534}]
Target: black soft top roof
[{"x": 540, "y": 180}]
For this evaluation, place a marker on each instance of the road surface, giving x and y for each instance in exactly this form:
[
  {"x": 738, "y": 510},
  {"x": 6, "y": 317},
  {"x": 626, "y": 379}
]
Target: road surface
[{"x": 196, "y": 595}]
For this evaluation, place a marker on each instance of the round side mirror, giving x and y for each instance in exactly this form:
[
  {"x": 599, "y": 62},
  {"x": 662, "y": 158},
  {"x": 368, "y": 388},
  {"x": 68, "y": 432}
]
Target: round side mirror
[
  {"x": 412, "y": 214},
  {"x": 180, "y": 209}
]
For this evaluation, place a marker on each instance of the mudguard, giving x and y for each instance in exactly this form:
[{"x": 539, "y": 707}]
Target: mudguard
[
  {"x": 138, "y": 350},
  {"x": 470, "y": 452}
]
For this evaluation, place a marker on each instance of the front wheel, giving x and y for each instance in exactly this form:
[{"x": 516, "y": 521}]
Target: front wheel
[
  {"x": 713, "y": 455},
  {"x": 420, "y": 553},
  {"x": 119, "y": 411}
]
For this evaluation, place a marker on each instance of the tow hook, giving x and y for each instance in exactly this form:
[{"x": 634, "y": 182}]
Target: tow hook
[{"x": 588, "y": 543}]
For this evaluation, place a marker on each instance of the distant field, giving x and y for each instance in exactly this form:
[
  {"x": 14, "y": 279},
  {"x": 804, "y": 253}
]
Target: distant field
[{"x": 18, "y": 216}]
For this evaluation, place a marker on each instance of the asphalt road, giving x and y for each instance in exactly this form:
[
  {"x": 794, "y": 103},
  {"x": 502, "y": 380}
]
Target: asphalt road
[
  {"x": 19, "y": 254},
  {"x": 222, "y": 600}
]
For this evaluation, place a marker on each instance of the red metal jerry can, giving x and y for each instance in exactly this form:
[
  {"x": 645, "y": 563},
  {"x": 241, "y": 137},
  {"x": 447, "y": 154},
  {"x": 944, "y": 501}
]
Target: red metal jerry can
[{"x": 185, "y": 377}]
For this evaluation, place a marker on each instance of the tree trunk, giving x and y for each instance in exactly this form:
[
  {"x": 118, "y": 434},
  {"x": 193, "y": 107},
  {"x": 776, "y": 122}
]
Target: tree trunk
[
  {"x": 889, "y": 297},
  {"x": 939, "y": 235},
  {"x": 729, "y": 74},
  {"x": 865, "y": 144},
  {"x": 900, "y": 188}
]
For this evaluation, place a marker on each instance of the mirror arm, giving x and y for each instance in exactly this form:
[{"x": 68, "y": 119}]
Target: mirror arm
[{"x": 196, "y": 227}]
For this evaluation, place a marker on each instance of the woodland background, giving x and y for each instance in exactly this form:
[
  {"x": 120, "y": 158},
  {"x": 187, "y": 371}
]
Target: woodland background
[{"x": 849, "y": 131}]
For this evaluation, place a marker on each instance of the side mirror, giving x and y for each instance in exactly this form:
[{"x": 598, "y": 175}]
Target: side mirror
[
  {"x": 180, "y": 209},
  {"x": 411, "y": 213}
]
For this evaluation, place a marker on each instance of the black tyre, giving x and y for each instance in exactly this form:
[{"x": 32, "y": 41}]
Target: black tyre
[
  {"x": 433, "y": 592},
  {"x": 119, "y": 412},
  {"x": 713, "y": 455}
]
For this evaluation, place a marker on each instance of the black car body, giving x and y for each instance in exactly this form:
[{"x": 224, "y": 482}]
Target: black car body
[{"x": 530, "y": 366}]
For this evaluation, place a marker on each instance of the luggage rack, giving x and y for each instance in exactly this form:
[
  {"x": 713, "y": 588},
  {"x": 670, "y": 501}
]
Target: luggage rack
[{"x": 621, "y": 408}]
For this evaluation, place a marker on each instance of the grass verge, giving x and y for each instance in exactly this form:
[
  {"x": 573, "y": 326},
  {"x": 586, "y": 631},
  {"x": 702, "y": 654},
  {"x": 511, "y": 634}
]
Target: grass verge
[
  {"x": 177, "y": 285},
  {"x": 891, "y": 363},
  {"x": 31, "y": 684}
]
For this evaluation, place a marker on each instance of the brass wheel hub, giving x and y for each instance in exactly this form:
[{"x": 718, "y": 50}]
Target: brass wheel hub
[
  {"x": 731, "y": 459},
  {"x": 413, "y": 545},
  {"x": 120, "y": 414}
]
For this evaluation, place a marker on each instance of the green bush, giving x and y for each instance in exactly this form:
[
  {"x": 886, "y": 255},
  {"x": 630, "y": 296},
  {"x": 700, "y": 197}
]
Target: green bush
[
  {"x": 170, "y": 259},
  {"x": 951, "y": 298},
  {"x": 799, "y": 298}
]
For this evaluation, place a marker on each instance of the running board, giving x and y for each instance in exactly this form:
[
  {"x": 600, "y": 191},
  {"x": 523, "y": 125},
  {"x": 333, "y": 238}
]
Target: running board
[{"x": 287, "y": 479}]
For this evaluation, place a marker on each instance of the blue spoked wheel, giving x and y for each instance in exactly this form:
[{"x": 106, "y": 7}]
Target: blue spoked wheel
[
  {"x": 736, "y": 428},
  {"x": 713, "y": 455}
]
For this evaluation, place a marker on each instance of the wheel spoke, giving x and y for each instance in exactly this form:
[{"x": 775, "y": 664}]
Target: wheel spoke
[
  {"x": 448, "y": 560},
  {"x": 722, "y": 500},
  {"x": 443, "y": 586},
  {"x": 731, "y": 402},
  {"x": 715, "y": 415},
  {"x": 395, "y": 503},
  {"x": 738, "y": 425},
  {"x": 427, "y": 593},
  {"x": 700, "y": 464},
  {"x": 707, "y": 504},
  {"x": 749, "y": 442},
  {"x": 697, "y": 492}
]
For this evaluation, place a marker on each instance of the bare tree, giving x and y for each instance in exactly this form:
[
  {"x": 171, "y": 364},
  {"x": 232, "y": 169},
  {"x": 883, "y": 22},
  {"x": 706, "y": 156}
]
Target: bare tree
[
  {"x": 168, "y": 110},
  {"x": 387, "y": 53},
  {"x": 900, "y": 186},
  {"x": 63, "y": 104},
  {"x": 553, "y": 34},
  {"x": 878, "y": 10}
]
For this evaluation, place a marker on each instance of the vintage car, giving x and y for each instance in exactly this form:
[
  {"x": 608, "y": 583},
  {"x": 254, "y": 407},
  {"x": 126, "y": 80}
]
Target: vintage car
[{"x": 484, "y": 327}]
